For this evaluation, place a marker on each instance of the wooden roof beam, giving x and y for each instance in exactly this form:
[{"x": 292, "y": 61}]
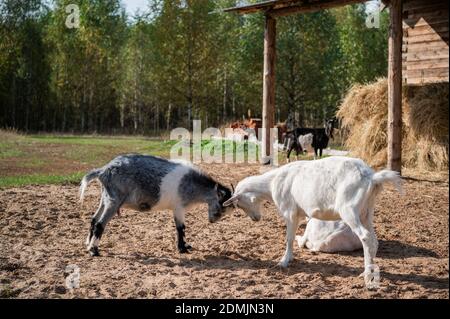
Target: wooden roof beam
[
  {"x": 286, "y": 7},
  {"x": 311, "y": 7},
  {"x": 263, "y": 6}
]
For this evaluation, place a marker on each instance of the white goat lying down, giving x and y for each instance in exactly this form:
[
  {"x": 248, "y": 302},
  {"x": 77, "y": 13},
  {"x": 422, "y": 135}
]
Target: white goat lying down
[
  {"x": 329, "y": 236},
  {"x": 334, "y": 188}
]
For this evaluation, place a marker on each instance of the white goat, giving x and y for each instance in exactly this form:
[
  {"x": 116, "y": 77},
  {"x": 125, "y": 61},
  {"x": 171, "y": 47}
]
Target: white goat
[
  {"x": 329, "y": 236},
  {"x": 334, "y": 188}
]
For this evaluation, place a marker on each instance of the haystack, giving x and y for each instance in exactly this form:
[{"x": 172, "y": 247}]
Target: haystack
[{"x": 425, "y": 124}]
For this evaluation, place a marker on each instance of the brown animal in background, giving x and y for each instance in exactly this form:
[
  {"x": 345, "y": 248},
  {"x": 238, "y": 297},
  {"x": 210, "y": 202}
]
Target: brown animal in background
[
  {"x": 254, "y": 124},
  {"x": 282, "y": 129},
  {"x": 245, "y": 127}
]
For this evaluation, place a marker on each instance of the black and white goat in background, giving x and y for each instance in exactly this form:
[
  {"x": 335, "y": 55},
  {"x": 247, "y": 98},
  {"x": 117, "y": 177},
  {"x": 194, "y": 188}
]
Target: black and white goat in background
[
  {"x": 321, "y": 138},
  {"x": 145, "y": 183}
]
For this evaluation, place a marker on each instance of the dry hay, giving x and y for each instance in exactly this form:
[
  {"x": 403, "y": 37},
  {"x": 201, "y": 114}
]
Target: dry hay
[{"x": 425, "y": 124}]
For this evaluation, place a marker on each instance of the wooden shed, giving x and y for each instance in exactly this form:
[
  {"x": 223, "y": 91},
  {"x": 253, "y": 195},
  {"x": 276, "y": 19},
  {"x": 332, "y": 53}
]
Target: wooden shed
[
  {"x": 425, "y": 41},
  {"x": 418, "y": 53}
]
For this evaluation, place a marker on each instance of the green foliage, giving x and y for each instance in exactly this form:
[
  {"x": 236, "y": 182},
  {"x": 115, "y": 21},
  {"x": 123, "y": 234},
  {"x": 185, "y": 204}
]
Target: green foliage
[
  {"x": 180, "y": 60},
  {"x": 309, "y": 61},
  {"x": 364, "y": 50}
]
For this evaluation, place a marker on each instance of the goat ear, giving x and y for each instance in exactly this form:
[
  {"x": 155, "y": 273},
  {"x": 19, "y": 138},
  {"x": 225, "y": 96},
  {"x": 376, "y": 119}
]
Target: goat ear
[{"x": 233, "y": 200}]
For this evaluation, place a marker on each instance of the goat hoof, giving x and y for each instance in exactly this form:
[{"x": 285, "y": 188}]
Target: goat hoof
[
  {"x": 371, "y": 282},
  {"x": 183, "y": 250},
  {"x": 94, "y": 252}
]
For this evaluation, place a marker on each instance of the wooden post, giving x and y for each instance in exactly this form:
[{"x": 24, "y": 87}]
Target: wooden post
[
  {"x": 395, "y": 86},
  {"x": 268, "y": 115}
]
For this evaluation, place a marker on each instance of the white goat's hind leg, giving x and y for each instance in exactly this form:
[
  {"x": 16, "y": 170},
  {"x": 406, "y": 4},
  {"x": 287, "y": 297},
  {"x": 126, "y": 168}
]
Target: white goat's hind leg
[
  {"x": 371, "y": 229},
  {"x": 291, "y": 228},
  {"x": 368, "y": 239}
]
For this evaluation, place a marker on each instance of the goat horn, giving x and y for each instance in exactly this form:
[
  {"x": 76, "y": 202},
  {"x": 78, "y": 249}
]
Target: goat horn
[{"x": 232, "y": 187}]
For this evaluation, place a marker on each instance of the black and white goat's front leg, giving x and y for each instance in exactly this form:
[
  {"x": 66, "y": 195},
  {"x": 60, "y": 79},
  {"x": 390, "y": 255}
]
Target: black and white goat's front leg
[
  {"x": 179, "y": 216},
  {"x": 291, "y": 145},
  {"x": 299, "y": 151}
]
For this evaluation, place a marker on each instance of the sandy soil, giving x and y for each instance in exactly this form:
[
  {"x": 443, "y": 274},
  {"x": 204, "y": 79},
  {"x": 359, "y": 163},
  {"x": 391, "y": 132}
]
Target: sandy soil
[{"x": 43, "y": 231}]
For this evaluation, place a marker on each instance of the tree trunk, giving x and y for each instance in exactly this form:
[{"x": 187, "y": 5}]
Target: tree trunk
[
  {"x": 83, "y": 110},
  {"x": 189, "y": 114},
  {"x": 157, "y": 118},
  {"x": 225, "y": 93},
  {"x": 234, "y": 106},
  {"x": 169, "y": 112},
  {"x": 13, "y": 112},
  {"x": 93, "y": 117},
  {"x": 64, "y": 119},
  {"x": 122, "y": 115}
]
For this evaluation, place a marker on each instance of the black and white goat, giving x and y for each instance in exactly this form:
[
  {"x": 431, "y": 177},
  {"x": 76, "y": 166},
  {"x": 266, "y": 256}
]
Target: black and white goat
[
  {"x": 321, "y": 138},
  {"x": 145, "y": 183},
  {"x": 330, "y": 189},
  {"x": 302, "y": 144}
]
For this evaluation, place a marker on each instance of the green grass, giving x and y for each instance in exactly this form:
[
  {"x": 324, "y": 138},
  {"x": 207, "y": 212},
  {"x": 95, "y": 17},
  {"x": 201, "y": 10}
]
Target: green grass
[
  {"x": 157, "y": 148},
  {"x": 34, "y": 162},
  {"x": 85, "y": 140},
  {"x": 52, "y": 159},
  {"x": 39, "y": 179},
  {"x": 8, "y": 153},
  {"x": 241, "y": 150},
  {"x": 9, "y": 149}
]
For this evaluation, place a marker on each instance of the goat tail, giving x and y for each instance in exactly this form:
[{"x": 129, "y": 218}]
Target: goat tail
[
  {"x": 86, "y": 180},
  {"x": 388, "y": 176}
]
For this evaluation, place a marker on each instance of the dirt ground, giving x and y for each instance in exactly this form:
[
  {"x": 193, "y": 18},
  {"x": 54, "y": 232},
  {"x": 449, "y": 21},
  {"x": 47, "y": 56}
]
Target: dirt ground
[{"x": 43, "y": 228}]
